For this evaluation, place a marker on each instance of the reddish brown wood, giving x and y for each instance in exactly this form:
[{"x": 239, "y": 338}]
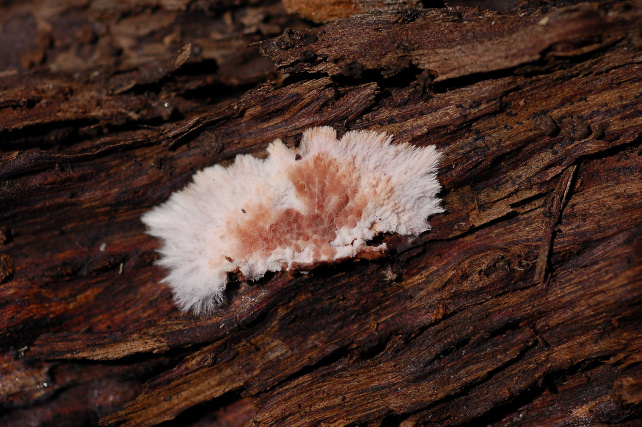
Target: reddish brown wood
[
  {"x": 328, "y": 10},
  {"x": 521, "y": 307}
]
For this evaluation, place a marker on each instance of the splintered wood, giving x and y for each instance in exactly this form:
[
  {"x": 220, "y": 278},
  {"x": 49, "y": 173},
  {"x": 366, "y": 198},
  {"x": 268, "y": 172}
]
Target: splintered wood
[{"x": 521, "y": 306}]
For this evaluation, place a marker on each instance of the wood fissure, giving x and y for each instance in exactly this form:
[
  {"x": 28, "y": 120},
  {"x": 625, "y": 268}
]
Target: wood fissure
[{"x": 520, "y": 307}]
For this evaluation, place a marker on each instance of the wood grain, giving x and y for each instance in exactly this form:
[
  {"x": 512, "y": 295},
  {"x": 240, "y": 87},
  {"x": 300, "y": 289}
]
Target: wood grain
[{"x": 521, "y": 307}]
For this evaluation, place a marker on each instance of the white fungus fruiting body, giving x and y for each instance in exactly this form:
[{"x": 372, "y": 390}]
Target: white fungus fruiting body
[{"x": 321, "y": 202}]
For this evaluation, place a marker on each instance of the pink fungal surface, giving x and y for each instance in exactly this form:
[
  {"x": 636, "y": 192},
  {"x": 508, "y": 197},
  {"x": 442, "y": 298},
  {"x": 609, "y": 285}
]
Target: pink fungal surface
[
  {"x": 323, "y": 186},
  {"x": 319, "y": 203}
]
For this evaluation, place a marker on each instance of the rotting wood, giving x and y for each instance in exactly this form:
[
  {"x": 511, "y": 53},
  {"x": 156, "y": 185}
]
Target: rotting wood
[
  {"x": 540, "y": 126},
  {"x": 558, "y": 199},
  {"x": 328, "y": 10}
]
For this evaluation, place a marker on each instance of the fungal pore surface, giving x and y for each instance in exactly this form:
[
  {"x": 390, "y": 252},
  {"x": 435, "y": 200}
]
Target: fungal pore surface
[{"x": 321, "y": 202}]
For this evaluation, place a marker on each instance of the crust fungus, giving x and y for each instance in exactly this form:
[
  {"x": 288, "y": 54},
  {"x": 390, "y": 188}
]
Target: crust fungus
[{"x": 321, "y": 202}]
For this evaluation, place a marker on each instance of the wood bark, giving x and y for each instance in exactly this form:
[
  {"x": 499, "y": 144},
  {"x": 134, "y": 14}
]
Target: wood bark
[
  {"x": 521, "y": 307},
  {"x": 328, "y": 10}
]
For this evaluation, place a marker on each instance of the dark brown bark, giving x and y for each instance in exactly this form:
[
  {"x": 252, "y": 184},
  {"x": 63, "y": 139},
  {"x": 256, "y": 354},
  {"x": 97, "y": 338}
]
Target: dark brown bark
[
  {"x": 328, "y": 10},
  {"x": 521, "y": 307}
]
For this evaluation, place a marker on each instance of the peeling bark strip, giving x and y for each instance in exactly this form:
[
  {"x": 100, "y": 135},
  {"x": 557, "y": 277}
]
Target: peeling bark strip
[
  {"x": 328, "y": 10},
  {"x": 451, "y": 44},
  {"x": 538, "y": 119},
  {"x": 554, "y": 210}
]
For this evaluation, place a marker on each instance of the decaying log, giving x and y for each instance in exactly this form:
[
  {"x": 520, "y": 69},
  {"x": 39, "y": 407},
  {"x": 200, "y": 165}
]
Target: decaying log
[{"x": 521, "y": 307}]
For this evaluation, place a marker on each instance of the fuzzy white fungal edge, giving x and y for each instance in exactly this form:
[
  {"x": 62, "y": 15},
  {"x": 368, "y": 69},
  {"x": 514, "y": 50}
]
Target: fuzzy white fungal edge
[{"x": 318, "y": 203}]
